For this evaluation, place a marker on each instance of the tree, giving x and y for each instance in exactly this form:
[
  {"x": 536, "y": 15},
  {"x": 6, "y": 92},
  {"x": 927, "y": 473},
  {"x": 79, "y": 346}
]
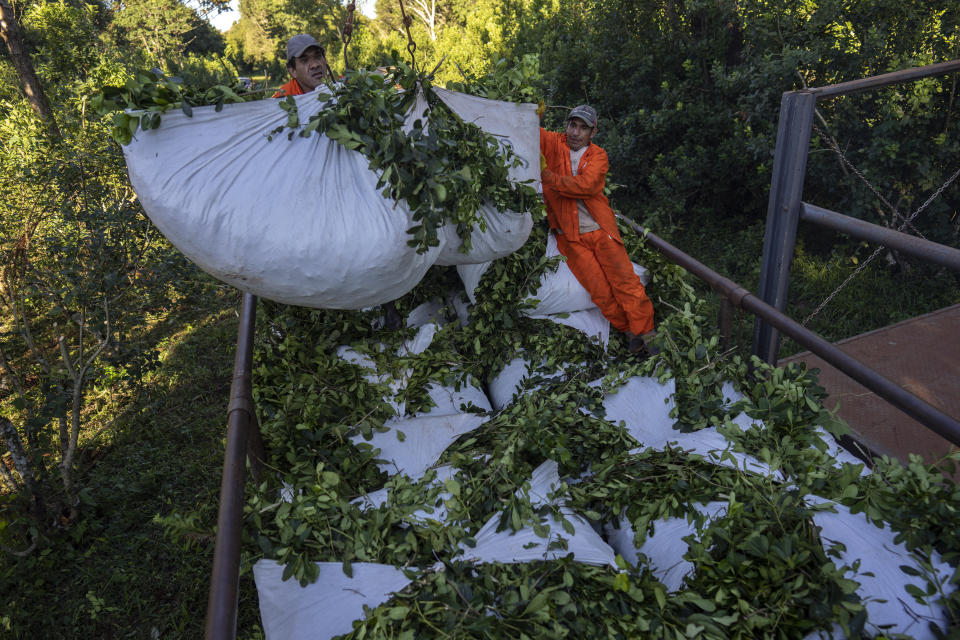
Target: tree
[
  {"x": 429, "y": 13},
  {"x": 163, "y": 29},
  {"x": 12, "y": 36},
  {"x": 76, "y": 254}
]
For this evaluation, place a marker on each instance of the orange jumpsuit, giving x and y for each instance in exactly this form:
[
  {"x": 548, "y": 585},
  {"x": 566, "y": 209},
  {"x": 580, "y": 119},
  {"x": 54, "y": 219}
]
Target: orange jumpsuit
[
  {"x": 597, "y": 258},
  {"x": 292, "y": 88}
]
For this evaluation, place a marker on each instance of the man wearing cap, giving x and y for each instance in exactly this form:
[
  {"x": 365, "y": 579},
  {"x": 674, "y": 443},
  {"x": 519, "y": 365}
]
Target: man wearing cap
[
  {"x": 574, "y": 171},
  {"x": 307, "y": 64}
]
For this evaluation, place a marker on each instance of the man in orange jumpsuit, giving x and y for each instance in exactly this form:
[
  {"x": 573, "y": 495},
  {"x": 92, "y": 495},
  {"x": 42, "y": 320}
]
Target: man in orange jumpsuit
[
  {"x": 578, "y": 213},
  {"x": 307, "y": 64}
]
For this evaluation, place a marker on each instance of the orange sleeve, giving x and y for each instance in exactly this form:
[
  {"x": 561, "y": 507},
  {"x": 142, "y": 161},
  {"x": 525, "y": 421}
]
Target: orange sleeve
[
  {"x": 291, "y": 88},
  {"x": 589, "y": 182}
]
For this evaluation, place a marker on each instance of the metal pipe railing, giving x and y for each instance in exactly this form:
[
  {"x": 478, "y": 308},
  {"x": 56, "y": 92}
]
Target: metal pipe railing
[
  {"x": 221, "y": 623},
  {"x": 911, "y": 245},
  {"x": 929, "y": 416},
  {"x": 797, "y": 110},
  {"x": 885, "y": 79}
]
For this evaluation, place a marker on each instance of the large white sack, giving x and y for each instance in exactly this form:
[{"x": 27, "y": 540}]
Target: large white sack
[
  {"x": 299, "y": 221},
  {"x": 517, "y": 126},
  {"x": 559, "y": 291},
  {"x": 411, "y": 445},
  {"x": 524, "y": 545},
  {"x": 664, "y": 548},
  {"x": 882, "y": 582},
  {"x": 326, "y": 608}
]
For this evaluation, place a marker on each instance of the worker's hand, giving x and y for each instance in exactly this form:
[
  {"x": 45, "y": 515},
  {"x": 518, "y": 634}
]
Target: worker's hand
[
  {"x": 543, "y": 161},
  {"x": 541, "y": 109}
]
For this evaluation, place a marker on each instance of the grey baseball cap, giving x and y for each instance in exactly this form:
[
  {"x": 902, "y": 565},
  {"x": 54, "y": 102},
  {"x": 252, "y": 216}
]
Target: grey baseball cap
[
  {"x": 586, "y": 113},
  {"x": 300, "y": 43}
]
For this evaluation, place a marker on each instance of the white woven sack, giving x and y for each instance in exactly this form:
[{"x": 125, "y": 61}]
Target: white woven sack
[
  {"x": 524, "y": 545},
  {"x": 883, "y": 584},
  {"x": 299, "y": 221},
  {"x": 326, "y": 608},
  {"x": 517, "y": 127},
  {"x": 559, "y": 291}
]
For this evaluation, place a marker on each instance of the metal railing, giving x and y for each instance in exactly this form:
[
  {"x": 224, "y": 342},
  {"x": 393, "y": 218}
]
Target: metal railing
[
  {"x": 786, "y": 209},
  {"x": 786, "y": 191},
  {"x": 243, "y": 441}
]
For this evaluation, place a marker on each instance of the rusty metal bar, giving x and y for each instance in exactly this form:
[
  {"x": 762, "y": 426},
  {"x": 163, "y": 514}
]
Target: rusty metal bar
[
  {"x": 883, "y": 80},
  {"x": 929, "y": 416},
  {"x": 938, "y": 253},
  {"x": 221, "y": 623}
]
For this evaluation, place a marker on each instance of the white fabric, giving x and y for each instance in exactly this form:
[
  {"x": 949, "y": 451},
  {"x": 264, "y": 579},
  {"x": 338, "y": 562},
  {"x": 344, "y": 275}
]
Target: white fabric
[
  {"x": 430, "y": 311},
  {"x": 524, "y": 545},
  {"x": 301, "y": 220},
  {"x": 411, "y": 445},
  {"x": 644, "y": 405},
  {"x": 507, "y": 384},
  {"x": 590, "y": 322},
  {"x": 665, "y": 547},
  {"x": 326, "y": 608},
  {"x": 887, "y": 600}
]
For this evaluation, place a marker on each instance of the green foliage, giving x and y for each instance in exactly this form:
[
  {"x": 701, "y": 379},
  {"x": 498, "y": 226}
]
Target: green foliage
[
  {"x": 162, "y": 30},
  {"x": 444, "y": 173},
  {"x": 761, "y": 569},
  {"x": 504, "y": 81},
  {"x": 688, "y": 96},
  {"x": 139, "y": 102}
]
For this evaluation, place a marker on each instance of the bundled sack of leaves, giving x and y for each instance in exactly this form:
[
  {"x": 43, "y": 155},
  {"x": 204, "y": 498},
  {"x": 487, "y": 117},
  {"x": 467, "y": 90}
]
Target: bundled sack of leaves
[
  {"x": 401, "y": 180},
  {"x": 398, "y": 503}
]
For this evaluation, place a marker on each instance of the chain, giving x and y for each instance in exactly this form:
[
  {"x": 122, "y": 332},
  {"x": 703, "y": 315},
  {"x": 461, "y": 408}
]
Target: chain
[
  {"x": 845, "y": 161},
  {"x": 877, "y": 251},
  {"x": 348, "y": 33},
  {"x": 411, "y": 45}
]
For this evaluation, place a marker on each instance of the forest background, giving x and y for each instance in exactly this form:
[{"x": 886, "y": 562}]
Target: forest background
[{"x": 115, "y": 352}]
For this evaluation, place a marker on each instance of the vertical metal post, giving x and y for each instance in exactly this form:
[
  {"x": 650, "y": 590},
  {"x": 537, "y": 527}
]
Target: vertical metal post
[
  {"x": 221, "y": 623},
  {"x": 783, "y": 213}
]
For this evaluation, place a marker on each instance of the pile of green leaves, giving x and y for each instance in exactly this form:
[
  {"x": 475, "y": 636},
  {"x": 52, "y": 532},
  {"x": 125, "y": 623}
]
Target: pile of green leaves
[
  {"x": 442, "y": 168},
  {"x": 761, "y": 569},
  {"x": 138, "y": 104}
]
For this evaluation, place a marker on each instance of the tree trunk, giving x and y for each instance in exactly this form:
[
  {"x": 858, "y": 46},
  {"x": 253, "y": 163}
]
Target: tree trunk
[
  {"x": 12, "y": 36},
  {"x": 23, "y": 465}
]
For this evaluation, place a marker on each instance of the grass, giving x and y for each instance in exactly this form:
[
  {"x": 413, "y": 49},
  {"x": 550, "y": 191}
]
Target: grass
[{"x": 115, "y": 574}]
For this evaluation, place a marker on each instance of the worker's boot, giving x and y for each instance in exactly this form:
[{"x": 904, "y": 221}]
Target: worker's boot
[
  {"x": 391, "y": 316},
  {"x": 641, "y": 344}
]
